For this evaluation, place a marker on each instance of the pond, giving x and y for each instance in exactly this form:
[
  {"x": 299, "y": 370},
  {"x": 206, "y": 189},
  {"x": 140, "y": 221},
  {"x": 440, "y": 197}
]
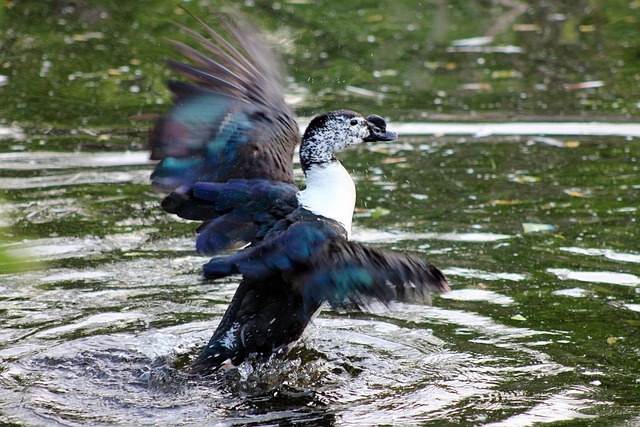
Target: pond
[{"x": 516, "y": 173}]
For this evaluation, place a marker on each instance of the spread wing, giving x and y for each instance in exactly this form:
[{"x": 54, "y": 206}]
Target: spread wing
[
  {"x": 351, "y": 275},
  {"x": 230, "y": 121},
  {"x": 324, "y": 266}
]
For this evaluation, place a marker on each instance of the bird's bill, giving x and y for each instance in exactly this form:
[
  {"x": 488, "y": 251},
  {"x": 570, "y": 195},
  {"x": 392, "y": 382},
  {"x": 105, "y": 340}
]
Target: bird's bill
[
  {"x": 378, "y": 129},
  {"x": 381, "y": 136}
]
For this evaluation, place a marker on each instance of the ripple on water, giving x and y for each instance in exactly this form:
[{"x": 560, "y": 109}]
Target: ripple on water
[
  {"x": 478, "y": 295},
  {"x": 608, "y": 277},
  {"x": 55, "y": 160},
  {"x": 572, "y": 292},
  {"x": 483, "y": 275},
  {"x": 71, "y": 179},
  {"x": 360, "y": 371},
  {"x": 374, "y": 236},
  {"x": 607, "y": 253},
  {"x": 54, "y": 248},
  {"x": 89, "y": 343}
]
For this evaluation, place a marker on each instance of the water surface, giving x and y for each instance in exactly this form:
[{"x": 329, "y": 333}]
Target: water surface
[
  {"x": 517, "y": 174},
  {"x": 539, "y": 327}
]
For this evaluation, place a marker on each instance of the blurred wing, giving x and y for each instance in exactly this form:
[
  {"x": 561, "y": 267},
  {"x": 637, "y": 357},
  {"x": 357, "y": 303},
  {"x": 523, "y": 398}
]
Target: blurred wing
[
  {"x": 231, "y": 121},
  {"x": 230, "y": 124}
]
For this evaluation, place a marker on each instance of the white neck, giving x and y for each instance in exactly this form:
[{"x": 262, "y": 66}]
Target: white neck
[{"x": 330, "y": 192}]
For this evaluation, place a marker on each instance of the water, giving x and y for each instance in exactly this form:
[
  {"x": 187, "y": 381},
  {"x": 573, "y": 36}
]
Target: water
[
  {"x": 530, "y": 211},
  {"x": 539, "y": 327}
]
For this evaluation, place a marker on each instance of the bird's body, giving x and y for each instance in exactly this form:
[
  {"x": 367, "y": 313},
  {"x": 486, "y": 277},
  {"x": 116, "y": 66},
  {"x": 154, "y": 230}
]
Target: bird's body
[{"x": 226, "y": 151}]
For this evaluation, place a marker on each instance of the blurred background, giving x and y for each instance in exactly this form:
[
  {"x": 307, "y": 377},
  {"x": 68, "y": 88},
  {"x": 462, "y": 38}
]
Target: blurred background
[{"x": 69, "y": 64}]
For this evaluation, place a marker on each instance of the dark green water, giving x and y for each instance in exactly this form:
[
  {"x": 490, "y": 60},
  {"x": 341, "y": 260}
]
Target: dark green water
[{"x": 101, "y": 299}]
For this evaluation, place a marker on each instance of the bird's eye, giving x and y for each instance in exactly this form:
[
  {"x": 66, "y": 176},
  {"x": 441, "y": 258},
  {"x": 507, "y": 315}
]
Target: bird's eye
[{"x": 354, "y": 122}]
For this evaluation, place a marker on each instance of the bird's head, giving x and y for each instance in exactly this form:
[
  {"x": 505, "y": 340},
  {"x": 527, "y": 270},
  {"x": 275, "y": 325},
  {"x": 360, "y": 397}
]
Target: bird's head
[{"x": 334, "y": 131}]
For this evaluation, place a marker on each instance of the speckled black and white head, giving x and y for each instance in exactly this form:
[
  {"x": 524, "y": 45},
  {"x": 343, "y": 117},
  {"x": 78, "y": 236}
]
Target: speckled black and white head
[
  {"x": 330, "y": 191},
  {"x": 334, "y": 131}
]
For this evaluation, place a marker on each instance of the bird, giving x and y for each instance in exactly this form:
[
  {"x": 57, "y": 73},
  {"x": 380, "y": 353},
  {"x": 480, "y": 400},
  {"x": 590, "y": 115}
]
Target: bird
[{"x": 225, "y": 154}]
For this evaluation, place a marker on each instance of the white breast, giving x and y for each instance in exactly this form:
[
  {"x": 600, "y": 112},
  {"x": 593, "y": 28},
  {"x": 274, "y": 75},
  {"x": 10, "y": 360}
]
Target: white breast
[{"x": 330, "y": 192}]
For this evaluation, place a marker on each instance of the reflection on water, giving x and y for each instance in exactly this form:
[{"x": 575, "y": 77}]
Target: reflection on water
[{"x": 99, "y": 334}]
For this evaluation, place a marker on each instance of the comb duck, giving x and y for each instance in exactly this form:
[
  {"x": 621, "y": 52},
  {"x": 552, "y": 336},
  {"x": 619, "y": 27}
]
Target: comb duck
[{"x": 226, "y": 157}]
